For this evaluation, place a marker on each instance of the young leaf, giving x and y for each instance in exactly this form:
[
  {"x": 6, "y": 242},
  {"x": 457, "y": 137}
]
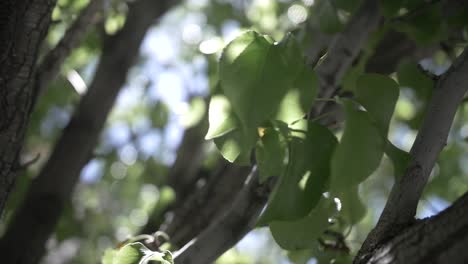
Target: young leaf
[
  {"x": 303, "y": 233},
  {"x": 378, "y": 94},
  {"x": 131, "y": 253},
  {"x": 109, "y": 255},
  {"x": 359, "y": 152},
  {"x": 136, "y": 253},
  {"x": 305, "y": 178}
]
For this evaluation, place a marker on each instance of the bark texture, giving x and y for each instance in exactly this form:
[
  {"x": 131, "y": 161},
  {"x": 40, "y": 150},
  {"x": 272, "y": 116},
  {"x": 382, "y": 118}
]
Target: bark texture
[
  {"x": 230, "y": 227},
  {"x": 37, "y": 217},
  {"x": 23, "y": 25},
  {"x": 402, "y": 203},
  {"x": 440, "y": 239}
]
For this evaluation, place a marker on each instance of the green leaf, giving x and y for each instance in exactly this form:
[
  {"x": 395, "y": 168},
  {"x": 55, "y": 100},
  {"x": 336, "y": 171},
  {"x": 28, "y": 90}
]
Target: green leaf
[
  {"x": 352, "y": 208},
  {"x": 378, "y": 94},
  {"x": 359, "y": 152},
  {"x": 163, "y": 257},
  {"x": 220, "y": 117},
  {"x": 328, "y": 18},
  {"x": 109, "y": 255},
  {"x": 400, "y": 159},
  {"x": 136, "y": 253},
  {"x": 255, "y": 76},
  {"x": 235, "y": 146},
  {"x": 271, "y": 154},
  {"x": 305, "y": 178},
  {"x": 300, "y": 98},
  {"x": 409, "y": 75},
  {"x": 303, "y": 233},
  {"x": 131, "y": 253}
]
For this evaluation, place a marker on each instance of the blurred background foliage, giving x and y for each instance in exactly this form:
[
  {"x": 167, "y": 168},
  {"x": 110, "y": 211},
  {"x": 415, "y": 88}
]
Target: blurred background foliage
[{"x": 123, "y": 185}]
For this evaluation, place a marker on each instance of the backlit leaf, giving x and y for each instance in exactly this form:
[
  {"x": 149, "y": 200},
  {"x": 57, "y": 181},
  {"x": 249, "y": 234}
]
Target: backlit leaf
[
  {"x": 255, "y": 76},
  {"x": 220, "y": 117}
]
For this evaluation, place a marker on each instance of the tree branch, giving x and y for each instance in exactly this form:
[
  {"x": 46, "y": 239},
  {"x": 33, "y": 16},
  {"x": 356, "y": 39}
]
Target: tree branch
[
  {"x": 37, "y": 217},
  {"x": 439, "y": 239},
  {"x": 184, "y": 173},
  {"x": 344, "y": 49},
  {"x": 228, "y": 229},
  {"x": 52, "y": 62},
  {"x": 402, "y": 203},
  {"x": 198, "y": 210},
  {"x": 23, "y": 25}
]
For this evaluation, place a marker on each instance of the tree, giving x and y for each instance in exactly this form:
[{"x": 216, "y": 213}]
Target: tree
[{"x": 307, "y": 122}]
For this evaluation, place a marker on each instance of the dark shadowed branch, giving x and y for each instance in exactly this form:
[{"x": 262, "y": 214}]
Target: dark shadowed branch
[
  {"x": 184, "y": 173},
  {"x": 230, "y": 227},
  {"x": 204, "y": 205},
  {"x": 401, "y": 205},
  {"x": 36, "y": 218}
]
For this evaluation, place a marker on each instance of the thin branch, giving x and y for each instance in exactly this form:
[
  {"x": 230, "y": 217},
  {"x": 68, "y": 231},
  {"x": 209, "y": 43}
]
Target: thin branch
[
  {"x": 344, "y": 48},
  {"x": 227, "y": 230},
  {"x": 36, "y": 218},
  {"x": 401, "y": 205},
  {"x": 52, "y": 62}
]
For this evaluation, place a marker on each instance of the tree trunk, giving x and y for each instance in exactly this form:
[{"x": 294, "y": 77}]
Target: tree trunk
[{"x": 23, "y": 26}]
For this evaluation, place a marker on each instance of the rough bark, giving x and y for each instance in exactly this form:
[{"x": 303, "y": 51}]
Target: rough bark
[
  {"x": 36, "y": 218},
  {"x": 440, "y": 239},
  {"x": 227, "y": 230},
  {"x": 199, "y": 209},
  {"x": 402, "y": 203},
  {"x": 23, "y": 25},
  {"x": 344, "y": 49}
]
